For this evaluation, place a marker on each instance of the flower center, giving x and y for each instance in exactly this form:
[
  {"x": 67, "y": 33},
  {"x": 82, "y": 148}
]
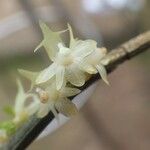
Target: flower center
[
  {"x": 64, "y": 56},
  {"x": 63, "y": 50}
]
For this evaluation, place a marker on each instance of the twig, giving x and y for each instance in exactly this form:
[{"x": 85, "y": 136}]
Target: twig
[{"x": 28, "y": 133}]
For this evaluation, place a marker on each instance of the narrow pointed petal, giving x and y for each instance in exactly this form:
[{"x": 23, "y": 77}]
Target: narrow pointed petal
[
  {"x": 46, "y": 74},
  {"x": 20, "y": 87},
  {"x": 75, "y": 76},
  {"x": 55, "y": 114},
  {"x": 67, "y": 91},
  {"x": 28, "y": 74},
  {"x": 102, "y": 71},
  {"x": 85, "y": 66},
  {"x": 84, "y": 48},
  {"x": 60, "y": 76},
  {"x": 20, "y": 98},
  {"x": 72, "y": 40},
  {"x": 39, "y": 46},
  {"x": 66, "y": 107},
  {"x": 62, "y": 31}
]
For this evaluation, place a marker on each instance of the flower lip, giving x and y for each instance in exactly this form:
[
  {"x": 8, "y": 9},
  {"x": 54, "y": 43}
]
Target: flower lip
[
  {"x": 64, "y": 56},
  {"x": 63, "y": 50}
]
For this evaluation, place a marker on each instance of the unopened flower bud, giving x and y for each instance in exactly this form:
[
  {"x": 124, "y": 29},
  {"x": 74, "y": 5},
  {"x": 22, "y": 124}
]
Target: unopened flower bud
[{"x": 43, "y": 95}]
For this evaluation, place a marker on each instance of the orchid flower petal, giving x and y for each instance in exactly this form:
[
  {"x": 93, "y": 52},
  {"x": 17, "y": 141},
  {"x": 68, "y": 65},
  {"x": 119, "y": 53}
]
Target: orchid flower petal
[
  {"x": 46, "y": 74},
  {"x": 102, "y": 71},
  {"x": 84, "y": 48},
  {"x": 55, "y": 113},
  {"x": 33, "y": 106},
  {"x": 51, "y": 40},
  {"x": 72, "y": 40},
  {"x": 20, "y": 98},
  {"x": 89, "y": 68},
  {"x": 68, "y": 91},
  {"x": 29, "y": 75},
  {"x": 39, "y": 46},
  {"x": 66, "y": 107},
  {"x": 43, "y": 110},
  {"x": 75, "y": 76},
  {"x": 60, "y": 76}
]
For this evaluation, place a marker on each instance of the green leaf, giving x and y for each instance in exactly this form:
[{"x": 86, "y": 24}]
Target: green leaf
[
  {"x": 9, "y": 110},
  {"x": 9, "y": 126}
]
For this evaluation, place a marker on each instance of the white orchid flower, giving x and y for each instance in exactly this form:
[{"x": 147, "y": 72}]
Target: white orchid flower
[
  {"x": 65, "y": 60},
  {"x": 92, "y": 63},
  {"x": 52, "y": 100},
  {"x": 21, "y": 110}
]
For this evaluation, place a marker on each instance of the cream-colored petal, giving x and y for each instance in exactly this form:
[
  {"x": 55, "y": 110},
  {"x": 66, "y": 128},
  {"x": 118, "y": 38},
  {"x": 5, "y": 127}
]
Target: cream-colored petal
[
  {"x": 84, "y": 48},
  {"x": 75, "y": 76},
  {"x": 66, "y": 107},
  {"x": 29, "y": 75},
  {"x": 60, "y": 71},
  {"x": 32, "y": 108},
  {"x": 64, "y": 82},
  {"x": 55, "y": 113},
  {"x": 51, "y": 87},
  {"x": 39, "y": 46},
  {"x": 85, "y": 66},
  {"x": 102, "y": 51},
  {"x": 46, "y": 74},
  {"x": 68, "y": 91},
  {"x": 102, "y": 71},
  {"x": 72, "y": 39},
  {"x": 51, "y": 40},
  {"x": 43, "y": 110},
  {"x": 93, "y": 59},
  {"x": 20, "y": 98}
]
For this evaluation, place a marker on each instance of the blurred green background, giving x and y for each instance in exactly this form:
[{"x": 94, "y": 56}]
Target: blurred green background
[{"x": 115, "y": 117}]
